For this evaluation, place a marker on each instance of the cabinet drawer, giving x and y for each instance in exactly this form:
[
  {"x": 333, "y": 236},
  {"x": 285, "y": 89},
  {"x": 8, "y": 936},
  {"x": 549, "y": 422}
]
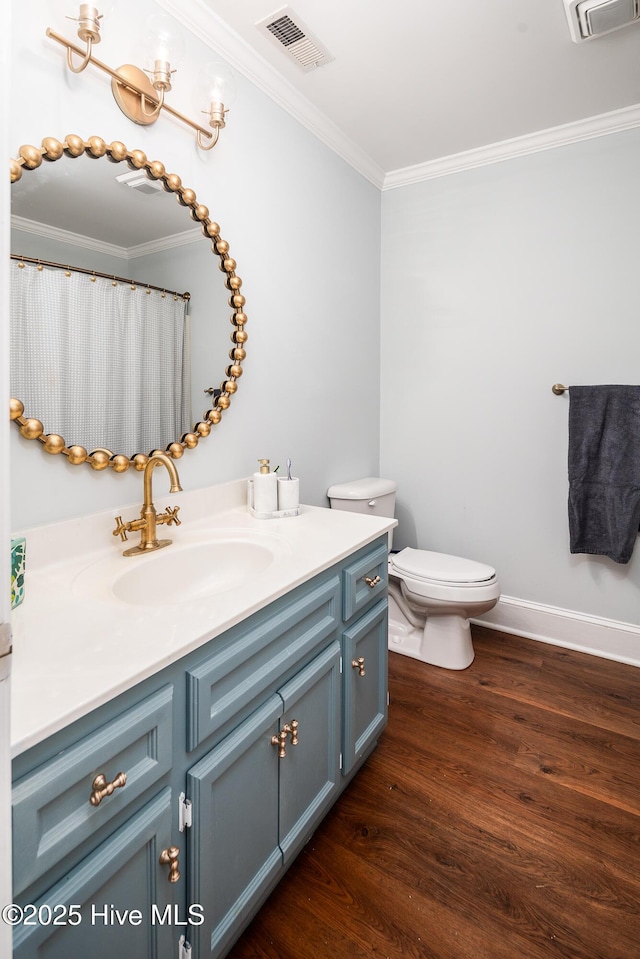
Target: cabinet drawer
[
  {"x": 52, "y": 812},
  {"x": 256, "y": 660},
  {"x": 363, "y": 580}
]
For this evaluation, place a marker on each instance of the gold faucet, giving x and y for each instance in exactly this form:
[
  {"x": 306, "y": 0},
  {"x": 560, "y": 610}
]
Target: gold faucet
[{"x": 149, "y": 519}]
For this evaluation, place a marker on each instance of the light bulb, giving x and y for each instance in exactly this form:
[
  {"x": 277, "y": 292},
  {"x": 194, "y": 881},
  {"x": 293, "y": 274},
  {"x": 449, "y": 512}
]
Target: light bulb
[
  {"x": 163, "y": 48},
  {"x": 217, "y": 85}
]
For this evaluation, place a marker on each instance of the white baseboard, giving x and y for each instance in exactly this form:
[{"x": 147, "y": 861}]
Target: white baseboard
[{"x": 563, "y": 627}]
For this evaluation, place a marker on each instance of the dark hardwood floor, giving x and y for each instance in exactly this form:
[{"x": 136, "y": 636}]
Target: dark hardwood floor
[{"x": 499, "y": 818}]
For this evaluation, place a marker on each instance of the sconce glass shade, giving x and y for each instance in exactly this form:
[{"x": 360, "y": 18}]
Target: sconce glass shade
[
  {"x": 163, "y": 49},
  {"x": 217, "y": 88},
  {"x": 216, "y": 84}
]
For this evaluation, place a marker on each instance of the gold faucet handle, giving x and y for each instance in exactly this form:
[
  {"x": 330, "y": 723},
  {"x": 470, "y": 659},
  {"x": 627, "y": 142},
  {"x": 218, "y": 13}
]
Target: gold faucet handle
[
  {"x": 121, "y": 529},
  {"x": 170, "y": 516}
]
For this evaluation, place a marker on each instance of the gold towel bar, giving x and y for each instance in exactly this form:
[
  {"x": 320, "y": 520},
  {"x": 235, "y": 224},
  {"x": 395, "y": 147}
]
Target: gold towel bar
[{"x": 559, "y": 389}]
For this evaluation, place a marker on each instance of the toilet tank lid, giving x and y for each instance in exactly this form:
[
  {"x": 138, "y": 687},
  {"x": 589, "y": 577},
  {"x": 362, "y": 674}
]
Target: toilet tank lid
[{"x": 367, "y": 488}]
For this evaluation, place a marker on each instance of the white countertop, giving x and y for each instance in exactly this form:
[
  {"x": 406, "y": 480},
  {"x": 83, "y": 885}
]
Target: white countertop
[{"x": 75, "y": 649}]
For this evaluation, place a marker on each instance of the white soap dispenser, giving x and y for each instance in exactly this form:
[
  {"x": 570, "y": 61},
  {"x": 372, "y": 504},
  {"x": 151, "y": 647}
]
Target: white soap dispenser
[{"x": 265, "y": 489}]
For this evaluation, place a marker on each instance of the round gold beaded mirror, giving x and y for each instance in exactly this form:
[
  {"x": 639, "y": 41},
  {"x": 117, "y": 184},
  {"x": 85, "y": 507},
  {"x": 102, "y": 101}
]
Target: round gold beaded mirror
[{"x": 30, "y": 158}]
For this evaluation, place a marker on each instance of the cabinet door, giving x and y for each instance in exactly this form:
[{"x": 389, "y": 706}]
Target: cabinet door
[
  {"x": 233, "y": 843},
  {"x": 365, "y": 683},
  {"x": 310, "y": 771},
  {"x": 116, "y": 902}
]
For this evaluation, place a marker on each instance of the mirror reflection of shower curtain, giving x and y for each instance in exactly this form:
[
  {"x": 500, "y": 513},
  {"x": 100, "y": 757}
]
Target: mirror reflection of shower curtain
[{"x": 100, "y": 363}]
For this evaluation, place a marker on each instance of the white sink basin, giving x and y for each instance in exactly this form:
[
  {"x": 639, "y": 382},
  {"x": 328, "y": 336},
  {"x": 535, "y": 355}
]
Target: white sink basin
[{"x": 183, "y": 572}]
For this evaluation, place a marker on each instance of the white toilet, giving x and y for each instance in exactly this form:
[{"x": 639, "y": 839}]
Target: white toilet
[{"x": 432, "y": 596}]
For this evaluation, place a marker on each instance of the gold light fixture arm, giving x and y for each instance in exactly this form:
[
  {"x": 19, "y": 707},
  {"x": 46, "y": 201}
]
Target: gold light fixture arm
[
  {"x": 214, "y": 139},
  {"x": 78, "y": 68},
  {"x": 89, "y": 31},
  {"x": 156, "y": 111}
]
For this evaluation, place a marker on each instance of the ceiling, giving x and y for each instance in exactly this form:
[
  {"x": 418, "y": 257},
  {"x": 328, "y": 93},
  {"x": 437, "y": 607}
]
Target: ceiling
[
  {"x": 81, "y": 201},
  {"x": 414, "y": 86},
  {"x": 414, "y": 81}
]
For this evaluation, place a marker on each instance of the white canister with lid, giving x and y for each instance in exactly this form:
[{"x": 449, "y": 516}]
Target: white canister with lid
[{"x": 265, "y": 489}]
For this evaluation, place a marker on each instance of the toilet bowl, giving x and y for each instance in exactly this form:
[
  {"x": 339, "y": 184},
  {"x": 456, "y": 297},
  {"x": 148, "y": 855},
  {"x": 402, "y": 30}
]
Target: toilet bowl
[{"x": 432, "y": 596}]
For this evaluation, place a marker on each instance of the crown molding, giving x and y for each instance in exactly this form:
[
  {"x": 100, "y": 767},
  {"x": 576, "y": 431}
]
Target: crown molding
[
  {"x": 99, "y": 246},
  {"x": 229, "y": 45},
  {"x": 207, "y": 25},
  {"x": 65, "y": 236},
  {"x": 165, "y": 243},
  {"x": 602, "y": 125}
]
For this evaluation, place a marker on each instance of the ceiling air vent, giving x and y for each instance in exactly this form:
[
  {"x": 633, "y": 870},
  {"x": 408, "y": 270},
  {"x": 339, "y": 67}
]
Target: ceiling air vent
[
  {"x": 138, "y": 180},
  {"x": 287, "y": 30},
  {"x": 589, "y": 19}
]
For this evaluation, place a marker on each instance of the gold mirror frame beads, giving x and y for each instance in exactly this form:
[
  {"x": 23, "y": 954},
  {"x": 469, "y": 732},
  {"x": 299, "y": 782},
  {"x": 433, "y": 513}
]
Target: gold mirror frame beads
[{"x": 30, "y": 158}]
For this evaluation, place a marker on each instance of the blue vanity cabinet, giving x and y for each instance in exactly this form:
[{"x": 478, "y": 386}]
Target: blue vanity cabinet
[{"x": 232, "y": 754}]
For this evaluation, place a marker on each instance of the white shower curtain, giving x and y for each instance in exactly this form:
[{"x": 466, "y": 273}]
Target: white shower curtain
[{"x": 100, "y": 363}]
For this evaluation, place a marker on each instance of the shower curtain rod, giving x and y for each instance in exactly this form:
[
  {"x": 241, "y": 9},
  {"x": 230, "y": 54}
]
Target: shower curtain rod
[{"x": 106, "y": 276}]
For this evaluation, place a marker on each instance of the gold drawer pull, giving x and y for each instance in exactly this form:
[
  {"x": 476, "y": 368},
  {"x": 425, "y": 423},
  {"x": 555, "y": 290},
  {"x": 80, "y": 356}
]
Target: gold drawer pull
[
  {"x": 102, "y": 788},
  {"x": 169, "y": 857},
  {"x": 293, "y": 729},
  {"x": 359, "y": 665},
  {"x": 372, "y": 583},
  {"x": 280, "y": 740}
]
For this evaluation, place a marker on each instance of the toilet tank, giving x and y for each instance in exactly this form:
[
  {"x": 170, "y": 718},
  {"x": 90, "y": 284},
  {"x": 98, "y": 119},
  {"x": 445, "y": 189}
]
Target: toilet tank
[{"x": 369, "y": 495}]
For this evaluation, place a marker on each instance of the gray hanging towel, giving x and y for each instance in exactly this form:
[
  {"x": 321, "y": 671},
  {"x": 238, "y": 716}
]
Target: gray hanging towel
[{"x": 604, "y": 470}]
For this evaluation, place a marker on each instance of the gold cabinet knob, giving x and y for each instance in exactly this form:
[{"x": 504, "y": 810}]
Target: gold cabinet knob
[
  {"x": 101, "y": 788},
  {"x": 292, "y": 729},
  {"x": 359, "y": 665},
  {"x": 169, "y": 857},
  {"x": 280, "y": 740},
  {"x": 372, "y": 583}
]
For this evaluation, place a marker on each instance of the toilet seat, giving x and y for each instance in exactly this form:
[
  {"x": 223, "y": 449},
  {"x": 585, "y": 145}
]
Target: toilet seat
[
  {"x": 441, "y": 568},
  {"x": 437, "y": 576}
]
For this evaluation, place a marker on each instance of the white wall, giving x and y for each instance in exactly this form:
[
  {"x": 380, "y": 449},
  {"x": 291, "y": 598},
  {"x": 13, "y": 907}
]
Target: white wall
[
  {"x": 305, "y": 231},
  {"x": 5, "y": 603},
  {"x": 497, "y": 283}
]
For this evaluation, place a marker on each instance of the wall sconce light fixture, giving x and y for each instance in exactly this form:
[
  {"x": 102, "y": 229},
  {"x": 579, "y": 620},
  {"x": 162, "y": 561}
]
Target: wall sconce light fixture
[
  {"x": 218, "y": 89},
  {"x": 140, "y": 93}
]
